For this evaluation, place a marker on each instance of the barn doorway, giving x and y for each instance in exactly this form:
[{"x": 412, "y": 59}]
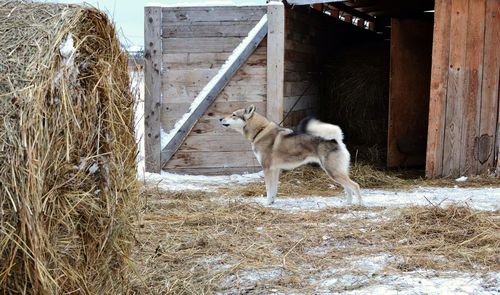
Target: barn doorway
[{"x": 371, "y": 76}]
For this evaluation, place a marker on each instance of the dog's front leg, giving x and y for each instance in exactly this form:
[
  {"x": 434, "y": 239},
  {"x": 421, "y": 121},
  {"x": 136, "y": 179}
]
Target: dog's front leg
[{"x": 271, "y": 177}]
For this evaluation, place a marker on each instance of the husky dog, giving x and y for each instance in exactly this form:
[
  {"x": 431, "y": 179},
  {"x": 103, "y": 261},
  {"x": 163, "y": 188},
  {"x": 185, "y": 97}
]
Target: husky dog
[{"x": 279, "y": 148}]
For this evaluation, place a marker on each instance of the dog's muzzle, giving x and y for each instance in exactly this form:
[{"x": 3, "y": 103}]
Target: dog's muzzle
[{"x": 223, "y": 124}]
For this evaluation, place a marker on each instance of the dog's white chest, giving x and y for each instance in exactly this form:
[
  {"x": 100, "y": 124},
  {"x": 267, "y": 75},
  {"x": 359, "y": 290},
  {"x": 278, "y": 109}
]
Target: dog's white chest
[{"x": 257, "y": 155}]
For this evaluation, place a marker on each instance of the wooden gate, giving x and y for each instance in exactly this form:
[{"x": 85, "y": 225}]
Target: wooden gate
[{"x": 200, "y": 65}]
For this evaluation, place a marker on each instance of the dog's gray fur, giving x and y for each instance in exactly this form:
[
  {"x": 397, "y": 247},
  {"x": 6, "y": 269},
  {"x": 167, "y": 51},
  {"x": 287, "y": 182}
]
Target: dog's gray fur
[{"x": 279, "y": 148}]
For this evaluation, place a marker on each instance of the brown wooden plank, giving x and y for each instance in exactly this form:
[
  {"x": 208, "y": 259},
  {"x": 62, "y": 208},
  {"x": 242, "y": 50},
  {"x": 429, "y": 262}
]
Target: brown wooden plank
[
  {"x": 473, "y": 77},
  {"x": 216, "y": 170},
  {"x": 193, "y": 61},
  {"x": 410, "y": 67},
  {"x": 490, "y": 89},
  {"x": 212, "y": 13},
  {"x": 212, "y": 159},
  {"x": 456, "y": 88},
  {"x": 230, "y": 142},
  {"x": 275, "y": 61},
  {"x": 205, "y": 44},
  {"x": 194, "y": 77},
  {"x": 218, "y": 83},
  {"x": 438, "y": 91},
  {"x": 152, "y": 80},
  {"x": 208, "y": 29},
  {"x": 250, "y": 93},
  {"x": 183, "y": 94},
  {"x": 172, "y": 111}
]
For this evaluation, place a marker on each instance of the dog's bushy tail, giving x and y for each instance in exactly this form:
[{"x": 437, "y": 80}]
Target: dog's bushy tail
[{"x": 324, "y": 130}]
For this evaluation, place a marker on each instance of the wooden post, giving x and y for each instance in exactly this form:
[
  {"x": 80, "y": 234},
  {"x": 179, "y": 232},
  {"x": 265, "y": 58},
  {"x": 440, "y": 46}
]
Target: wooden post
[
  {"x": 439, "y": 82},
  {"x": 214, "y": 88},
  {"x": 456, "y": 88},
  {"x": 275, "y": 60},
  {"x": 473, "y": 80},
  {"x": 490, "y": 90},
  {"x": 152, "y": 93}
]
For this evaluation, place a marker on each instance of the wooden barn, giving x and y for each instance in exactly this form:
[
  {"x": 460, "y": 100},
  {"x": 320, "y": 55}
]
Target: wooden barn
[{"x": 420, "y": 78}]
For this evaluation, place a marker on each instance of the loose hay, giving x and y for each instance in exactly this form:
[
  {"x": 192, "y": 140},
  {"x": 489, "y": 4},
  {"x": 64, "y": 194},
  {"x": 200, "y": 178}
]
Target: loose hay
[
  {"x": 467, "y": 238},
  {"x": 67, "y": 151},
  {"x": 187, "y": 247}
]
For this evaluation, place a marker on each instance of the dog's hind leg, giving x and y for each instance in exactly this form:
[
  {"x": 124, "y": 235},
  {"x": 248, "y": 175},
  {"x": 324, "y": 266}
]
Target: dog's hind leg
[
  {"x": 271, "y": 177},
  {"x": 343, "y": 179},
  {"x": 348, "y": 184}
]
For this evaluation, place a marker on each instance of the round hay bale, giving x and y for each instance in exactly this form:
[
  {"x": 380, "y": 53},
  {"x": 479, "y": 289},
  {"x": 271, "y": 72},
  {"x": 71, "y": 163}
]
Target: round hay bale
[{"x": 67, "y": 151}]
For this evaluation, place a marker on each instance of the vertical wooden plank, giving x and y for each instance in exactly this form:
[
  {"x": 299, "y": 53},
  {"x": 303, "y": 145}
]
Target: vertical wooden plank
[
  {"x": 152, "y": 93},
  {"x": 439, "y": 82},
  {"x": 275, "y": 60},
  {"x": 473, "y": 77},
  {"x": 490, "y": 89},
  {"x": 410, "y": 69},
  {"x": 456, "y": 88}
]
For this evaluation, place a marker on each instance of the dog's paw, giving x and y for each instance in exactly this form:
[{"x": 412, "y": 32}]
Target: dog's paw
[{"x": 269, "y": 202}]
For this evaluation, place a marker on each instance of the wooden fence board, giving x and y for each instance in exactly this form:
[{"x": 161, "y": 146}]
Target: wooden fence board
[
  {"x": 490, "y": 90},
  {"x": 275, "y": 61},
  {"x": 212, "y": 159},
  {"x": 232, "y": 141},
  {"x": 438, "y": 91},
  {"x": 208, "y": 29},
  {"x": 152, "y": 95},
  {"x": 250, "y": 94},
  {"x": 473, "y": 77},
  {"x": 217, "y": 170},
  {"x": 203, "y": 76},
  {"x": 213, "y": 13},
  {"x": 456, "y": 89},
  {"x": 201, "y": 45}
]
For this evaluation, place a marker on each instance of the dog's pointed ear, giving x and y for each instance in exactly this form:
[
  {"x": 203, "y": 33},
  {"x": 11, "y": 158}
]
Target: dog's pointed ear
[{"x": 249, "y": 112}]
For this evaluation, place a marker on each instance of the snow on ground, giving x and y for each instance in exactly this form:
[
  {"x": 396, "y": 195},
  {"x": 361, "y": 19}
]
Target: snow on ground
[
  {"x": 477, "y": 198},
  {"x": 177, "y": 182},
  {"x": 415, "y": 282},
  {"x": 365, "y": 276}
]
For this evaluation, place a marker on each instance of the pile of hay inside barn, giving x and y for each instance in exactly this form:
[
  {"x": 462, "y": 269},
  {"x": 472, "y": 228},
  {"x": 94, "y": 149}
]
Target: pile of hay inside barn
[{"x": 67, "y": 151}]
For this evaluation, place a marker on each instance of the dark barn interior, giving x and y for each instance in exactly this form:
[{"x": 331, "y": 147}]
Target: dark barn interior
[{"x": 371, "y": 74}]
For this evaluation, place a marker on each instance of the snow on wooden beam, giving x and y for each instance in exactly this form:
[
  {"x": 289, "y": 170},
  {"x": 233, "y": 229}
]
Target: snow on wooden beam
[
  {"x": 172, "y": 140},
  {"x": 309, "y": 2}
]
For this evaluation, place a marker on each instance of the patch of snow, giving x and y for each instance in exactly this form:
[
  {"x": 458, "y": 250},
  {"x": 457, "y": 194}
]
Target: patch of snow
[
  {"x": 249, "y": 278},
  {"x": 428, "y": 282},
  {"x": 461, "y": 179},
  {"x": 318, "y": 251},
  {"x": 68, "y": 52},
  {"x": 370, "y": 264},
  {"x": 94, "y": 168},
  {"x": 487, "y": 199},
  {"x": 67, "y": 47},
  {"x": 166, "y": 137},
  {"x": 178, "y": 182}
]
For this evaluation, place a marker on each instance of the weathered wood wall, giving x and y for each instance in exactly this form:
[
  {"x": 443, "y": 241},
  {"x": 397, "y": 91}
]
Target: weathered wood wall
[
  {"x": 410, "y": 74},
  {"x": 302, "y": 48},
  {"x": 464, "y": 95},
  {"x": 196, "y": 41}
]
